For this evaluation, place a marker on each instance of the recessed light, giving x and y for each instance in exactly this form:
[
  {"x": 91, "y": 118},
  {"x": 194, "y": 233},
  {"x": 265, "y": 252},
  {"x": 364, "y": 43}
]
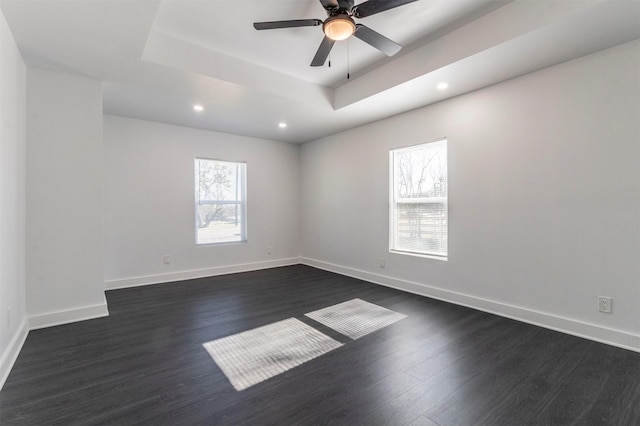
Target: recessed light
[
  {"x": 198, "y": 108},
  {"x": 442, "y": 86},
  {"x": 282, "y": 125}
]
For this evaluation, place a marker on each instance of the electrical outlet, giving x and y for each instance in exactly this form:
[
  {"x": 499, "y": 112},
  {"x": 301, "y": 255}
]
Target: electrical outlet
[
  {"x": 166, "y": 259},
  {"x": 604, "y": 304},
  {"x": 269, "y": 250},
  {"x": 381, "y": 262}
]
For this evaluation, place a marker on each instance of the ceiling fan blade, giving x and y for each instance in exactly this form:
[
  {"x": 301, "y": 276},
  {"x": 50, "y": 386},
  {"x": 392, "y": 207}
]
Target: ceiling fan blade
[
  {"x": 287, "y": 24},
  {"x": 372, "y": 7},
  {"x": 323, "y": 52},
  {"x": 377, "y": 40}
]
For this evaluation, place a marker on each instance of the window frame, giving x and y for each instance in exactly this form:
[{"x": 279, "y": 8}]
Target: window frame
[
  {"x": 241, "y": 201},
  {"x": 394, "y": 200}
]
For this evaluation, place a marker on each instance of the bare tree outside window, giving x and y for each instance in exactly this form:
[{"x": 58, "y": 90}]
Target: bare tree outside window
[
  {"x": 419, "y": 214},
  {"x": 220, "y": 201}
]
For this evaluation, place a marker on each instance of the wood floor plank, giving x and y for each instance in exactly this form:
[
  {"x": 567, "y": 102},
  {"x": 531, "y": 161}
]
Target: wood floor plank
[{"x": 442, "y": 365}]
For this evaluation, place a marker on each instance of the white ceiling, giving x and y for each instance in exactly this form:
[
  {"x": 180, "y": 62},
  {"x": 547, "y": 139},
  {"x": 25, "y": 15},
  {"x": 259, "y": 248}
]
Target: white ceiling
[{"x": 159, "y": 58}]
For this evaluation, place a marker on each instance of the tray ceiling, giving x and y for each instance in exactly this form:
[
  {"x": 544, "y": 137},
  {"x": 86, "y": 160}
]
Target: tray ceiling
[{"x": 159, "y": 58}]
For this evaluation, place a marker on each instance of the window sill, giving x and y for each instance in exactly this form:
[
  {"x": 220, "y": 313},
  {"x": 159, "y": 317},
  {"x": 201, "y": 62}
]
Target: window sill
[
  {"x": 222, "y": 243},
  {"x": 423, "y": 255}
]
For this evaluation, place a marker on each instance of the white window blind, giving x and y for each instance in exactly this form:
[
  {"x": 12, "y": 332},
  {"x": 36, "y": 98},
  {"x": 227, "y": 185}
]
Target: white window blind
[
  {"x": 419, "y": 208},
  {"x": 220, "y": 197}
]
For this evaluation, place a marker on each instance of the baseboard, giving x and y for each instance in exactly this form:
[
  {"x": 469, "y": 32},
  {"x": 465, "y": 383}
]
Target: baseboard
[
  {"x": 11, "y": 353},
  {"x": 589, "y": 331},
  {"x": 83, "y": 313},
  {"x": 197, "y": 273}
]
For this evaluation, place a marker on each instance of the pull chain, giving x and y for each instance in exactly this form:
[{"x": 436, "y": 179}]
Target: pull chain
[{"x": 348, "y": 76}]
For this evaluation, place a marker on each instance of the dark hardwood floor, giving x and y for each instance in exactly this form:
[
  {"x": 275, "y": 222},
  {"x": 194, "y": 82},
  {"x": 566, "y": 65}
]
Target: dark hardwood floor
[{"x": 443, "y": 365}]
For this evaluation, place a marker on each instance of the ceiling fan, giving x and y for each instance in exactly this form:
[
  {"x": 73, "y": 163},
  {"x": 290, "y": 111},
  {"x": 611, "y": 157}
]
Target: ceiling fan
[{"x": 340, "y": 25}]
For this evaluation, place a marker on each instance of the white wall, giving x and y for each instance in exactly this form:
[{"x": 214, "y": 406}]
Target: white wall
[
  {"x": 149, "y": 180},
  {"x": 13, "y": 325},
  {"x": 64, "y": 205},
  {"x": 544, "y": 198}
]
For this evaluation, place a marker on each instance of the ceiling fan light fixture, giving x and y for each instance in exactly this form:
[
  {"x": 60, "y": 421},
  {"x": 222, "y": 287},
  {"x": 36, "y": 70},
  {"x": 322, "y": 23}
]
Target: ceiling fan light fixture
[{"x": 339, "y": 27}]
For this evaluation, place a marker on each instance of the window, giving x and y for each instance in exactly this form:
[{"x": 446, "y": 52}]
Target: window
[
  {"x": 418, "y": 195},
  {"x": 220, "y": 201}
]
